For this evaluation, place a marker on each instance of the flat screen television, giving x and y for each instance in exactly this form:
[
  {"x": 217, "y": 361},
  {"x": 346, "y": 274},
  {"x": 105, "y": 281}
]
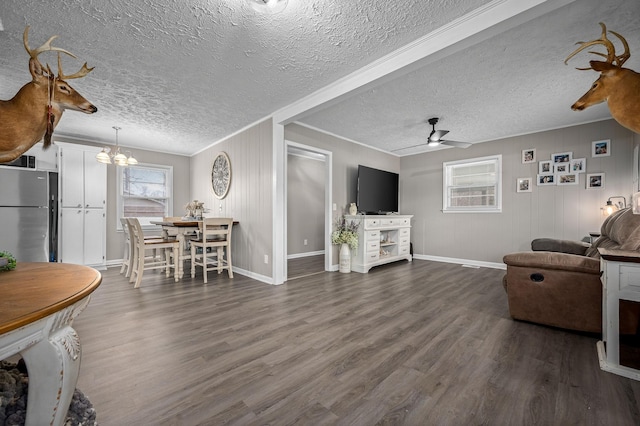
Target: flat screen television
[{"x": 377, "y": 191}]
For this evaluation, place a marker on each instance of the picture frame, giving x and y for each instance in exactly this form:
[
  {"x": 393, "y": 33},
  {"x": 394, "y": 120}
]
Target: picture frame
[
  {"x": 561, "y": 157},
  {"x": 568, "y": 179},
  {"x": 595, "y": 181},
  {"x": 578, "y": 165},
  {"x": 524, "y": 184},
  {"x": 528, "y": 155},
  {"x": 545, "y": 167},
  {"x": 561, "y": 168},
  {"x": 601, "y": 148},
  {"x": 544, "y": 179}
]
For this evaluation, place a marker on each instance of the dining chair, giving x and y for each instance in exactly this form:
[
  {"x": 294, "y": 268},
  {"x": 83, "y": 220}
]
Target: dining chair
[
  {"x": 141, "y": 261},
  {"x": 213, "y": 241},
  {"x": 128, "y": 249}
]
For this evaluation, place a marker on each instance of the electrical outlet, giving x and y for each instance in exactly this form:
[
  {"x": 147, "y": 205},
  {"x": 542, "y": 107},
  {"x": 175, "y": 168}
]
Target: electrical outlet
[
  {"x": 266, "y": 258},
  {"x": 305, "y": 242},
  {"x": 220, "y": 207}
]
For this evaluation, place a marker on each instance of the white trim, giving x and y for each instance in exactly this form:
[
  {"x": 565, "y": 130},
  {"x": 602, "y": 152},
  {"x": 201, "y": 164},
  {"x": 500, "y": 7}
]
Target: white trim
[
  {"x": 344, "y": 139},
  {"x": 328, "y": 195},
  {"x": 479, "y": 263},
  {"x": 446, "y": 178},
  {"x": 305, "y": 254},
  {"x": 279, "y": 211}
]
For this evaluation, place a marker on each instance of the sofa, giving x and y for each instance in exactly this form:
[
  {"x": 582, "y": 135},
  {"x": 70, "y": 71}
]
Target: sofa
[{"x": 558, "y": 282}]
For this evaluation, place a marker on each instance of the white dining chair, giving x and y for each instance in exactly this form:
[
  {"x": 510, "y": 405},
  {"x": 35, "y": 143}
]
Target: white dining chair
[
  {"x": 142, "y": 262},
  {"x": 214, "y": 243}
]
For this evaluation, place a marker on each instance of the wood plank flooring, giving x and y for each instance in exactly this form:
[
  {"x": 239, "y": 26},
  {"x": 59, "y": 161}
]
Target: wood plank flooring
[
  {"x": 420, "y": 343},
  {"x": 305, "y": 266}
]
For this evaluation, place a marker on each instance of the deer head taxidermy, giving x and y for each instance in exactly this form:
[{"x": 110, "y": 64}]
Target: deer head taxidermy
[
  {"x": 619, "y": 87},
  {"x": 36, "y": 109}
]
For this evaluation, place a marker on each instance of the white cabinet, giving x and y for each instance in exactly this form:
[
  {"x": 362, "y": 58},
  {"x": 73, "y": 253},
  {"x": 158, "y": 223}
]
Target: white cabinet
[
  {"x": 83, "y": 201},
  {"x": 621, "y": 281},
  {"x": 381, "y": 239}
]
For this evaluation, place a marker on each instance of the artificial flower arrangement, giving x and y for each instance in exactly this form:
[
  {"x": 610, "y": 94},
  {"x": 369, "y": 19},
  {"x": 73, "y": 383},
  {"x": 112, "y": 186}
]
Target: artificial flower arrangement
[
  {"x": 194, "y": 207},
  {"x": 346, "y": 232},
  {"x": 7, "y": 261}
]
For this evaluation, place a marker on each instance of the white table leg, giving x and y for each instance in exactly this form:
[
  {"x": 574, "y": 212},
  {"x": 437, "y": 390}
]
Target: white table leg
[{"x": 53, "y": 365}]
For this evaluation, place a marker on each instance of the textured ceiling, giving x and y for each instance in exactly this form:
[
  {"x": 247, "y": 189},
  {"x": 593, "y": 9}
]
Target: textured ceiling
[{"x": 178, "y": 76}]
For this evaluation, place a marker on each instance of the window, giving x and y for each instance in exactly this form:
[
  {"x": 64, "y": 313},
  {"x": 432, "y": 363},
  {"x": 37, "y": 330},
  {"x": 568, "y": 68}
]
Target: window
[
  {"x": 473, "y": 185},
  {"x": 145, "y": 192}
]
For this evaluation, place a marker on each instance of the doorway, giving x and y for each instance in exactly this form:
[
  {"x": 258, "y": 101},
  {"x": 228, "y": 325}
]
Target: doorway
[{"x": 308, "y": 212}]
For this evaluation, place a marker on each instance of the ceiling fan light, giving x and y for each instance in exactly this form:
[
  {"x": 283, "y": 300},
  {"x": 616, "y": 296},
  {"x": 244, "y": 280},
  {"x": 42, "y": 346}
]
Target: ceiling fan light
[
  {"x": 268, "y": 6},
  {"x": 433, "y": 142},
  {"x": 131, "y": 161}
]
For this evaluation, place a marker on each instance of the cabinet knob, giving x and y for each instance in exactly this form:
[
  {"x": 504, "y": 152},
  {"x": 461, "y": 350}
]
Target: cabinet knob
[{"x": 79, "y": 206}]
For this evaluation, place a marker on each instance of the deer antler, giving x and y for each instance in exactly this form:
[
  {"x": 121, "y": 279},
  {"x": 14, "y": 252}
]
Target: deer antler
[
  {"x": 83, "y": 71},
  {"x": 44, "y": 48},
  {"x": 611, "y": 56}
]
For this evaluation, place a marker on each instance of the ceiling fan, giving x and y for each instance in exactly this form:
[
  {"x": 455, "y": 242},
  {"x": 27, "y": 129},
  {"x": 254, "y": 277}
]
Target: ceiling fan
[{"x": 435, "y": 138}]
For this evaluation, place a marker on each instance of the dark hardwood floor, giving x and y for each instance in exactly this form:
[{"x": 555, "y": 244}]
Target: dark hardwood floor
[{"x": 420, "y": 343}]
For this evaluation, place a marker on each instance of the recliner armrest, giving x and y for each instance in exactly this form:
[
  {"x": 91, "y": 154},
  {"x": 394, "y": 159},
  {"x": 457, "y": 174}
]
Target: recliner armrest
[
  {"x": 560, "y": 246},
  {"x": 553, "y": 260}
]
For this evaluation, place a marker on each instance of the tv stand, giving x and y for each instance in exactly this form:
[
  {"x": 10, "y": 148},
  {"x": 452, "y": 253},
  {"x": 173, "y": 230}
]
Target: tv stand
[{"x": 381, "y": 239}]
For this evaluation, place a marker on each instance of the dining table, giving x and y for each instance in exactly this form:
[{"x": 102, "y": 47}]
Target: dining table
[
  {"x": 183, "y": 229},
  {"x": 38, "y": 303}
]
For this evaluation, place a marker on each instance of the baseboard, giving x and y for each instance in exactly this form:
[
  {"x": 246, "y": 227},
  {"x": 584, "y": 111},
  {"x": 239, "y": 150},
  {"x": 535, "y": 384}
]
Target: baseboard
[
  {"x": 306, "y": 254},
  {"x": 479, "y": 263}
]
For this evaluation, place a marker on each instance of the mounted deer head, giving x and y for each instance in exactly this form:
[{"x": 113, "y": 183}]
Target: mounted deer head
[
  {"x": 36, "y": 109},
  {"x": 619, "y": 87}
]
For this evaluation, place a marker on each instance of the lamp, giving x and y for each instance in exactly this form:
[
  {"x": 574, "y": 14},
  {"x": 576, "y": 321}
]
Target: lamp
[
  {"x": 268, "y": 6},
  {"x": 109, "y": 156},
  {"x": 610, "y": 207}
]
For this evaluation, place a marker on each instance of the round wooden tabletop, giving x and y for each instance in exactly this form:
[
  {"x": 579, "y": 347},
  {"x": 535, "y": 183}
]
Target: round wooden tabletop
[{"x": 35, "y": 290}]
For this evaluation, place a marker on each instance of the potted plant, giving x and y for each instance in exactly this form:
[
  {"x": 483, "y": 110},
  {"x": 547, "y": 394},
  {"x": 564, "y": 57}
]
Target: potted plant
[
  {"x": 346, "y": 235},
  {"x": 7, "y": 261}
]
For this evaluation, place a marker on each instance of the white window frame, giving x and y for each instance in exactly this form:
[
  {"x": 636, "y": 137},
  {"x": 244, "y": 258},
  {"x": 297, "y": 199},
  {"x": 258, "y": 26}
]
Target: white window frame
[
  {"x": 447, "y": 168},
  {"x": 120, "y": 201}
]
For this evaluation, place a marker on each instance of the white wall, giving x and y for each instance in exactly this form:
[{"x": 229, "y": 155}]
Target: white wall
[{"x": 566, "y": 212}]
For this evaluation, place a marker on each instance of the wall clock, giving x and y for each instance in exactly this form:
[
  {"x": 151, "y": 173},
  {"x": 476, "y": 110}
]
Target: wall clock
[{"x": 221, "y": 175}]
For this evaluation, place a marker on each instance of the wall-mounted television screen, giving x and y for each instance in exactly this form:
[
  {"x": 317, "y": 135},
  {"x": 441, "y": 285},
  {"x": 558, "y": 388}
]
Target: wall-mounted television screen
[{"x": 377, "y": 191}]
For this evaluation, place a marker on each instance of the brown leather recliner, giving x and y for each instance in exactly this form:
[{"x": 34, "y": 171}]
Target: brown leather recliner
[{"x": 558, "y": 283}]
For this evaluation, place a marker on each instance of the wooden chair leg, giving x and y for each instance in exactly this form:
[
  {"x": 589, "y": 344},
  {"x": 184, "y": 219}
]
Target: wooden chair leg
[
  {"x": 176, "y": 260},
  {"x": 229, "y": 268},
  {"x": 167, "y": 262},
  {"x": 139, "y": 271},
  {"x": 193, "y": 261}
]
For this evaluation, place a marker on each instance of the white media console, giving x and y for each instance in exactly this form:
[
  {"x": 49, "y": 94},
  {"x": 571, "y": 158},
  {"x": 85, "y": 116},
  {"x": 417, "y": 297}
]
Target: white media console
[{"x": 381, "y": 239}]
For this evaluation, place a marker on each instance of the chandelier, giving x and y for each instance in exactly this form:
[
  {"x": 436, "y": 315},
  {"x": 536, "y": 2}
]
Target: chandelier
[{"x": 114, "y": 156}]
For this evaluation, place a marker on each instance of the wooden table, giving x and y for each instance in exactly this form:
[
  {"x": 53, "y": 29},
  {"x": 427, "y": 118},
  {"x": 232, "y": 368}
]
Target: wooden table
[
  {"x": 180, "y": 229},
  {"x": 38, "y": 303}
]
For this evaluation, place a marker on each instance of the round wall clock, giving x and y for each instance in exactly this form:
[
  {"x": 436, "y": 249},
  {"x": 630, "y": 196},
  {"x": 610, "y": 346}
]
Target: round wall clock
[{"x": 221, "y": 175}]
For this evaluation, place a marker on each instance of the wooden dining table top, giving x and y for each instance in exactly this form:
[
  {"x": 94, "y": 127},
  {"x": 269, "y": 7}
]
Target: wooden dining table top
[
  {"x": 182, "y": 223},
  {"x": 35, "y": 290}
]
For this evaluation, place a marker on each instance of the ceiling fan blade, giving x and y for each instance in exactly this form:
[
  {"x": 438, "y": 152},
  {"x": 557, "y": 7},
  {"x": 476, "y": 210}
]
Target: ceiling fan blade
[
  {"x": 457, "y": 144},
  {"x": 408, "y": 147},
  {"x": 436, "y": 135}
]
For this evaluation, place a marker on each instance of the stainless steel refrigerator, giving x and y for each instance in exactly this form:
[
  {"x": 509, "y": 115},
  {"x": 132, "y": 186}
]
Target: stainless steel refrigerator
[{"x": 28, "y": 214}]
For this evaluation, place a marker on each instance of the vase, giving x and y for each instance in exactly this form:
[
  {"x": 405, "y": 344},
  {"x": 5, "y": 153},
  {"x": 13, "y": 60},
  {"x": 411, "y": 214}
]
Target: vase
[
  {"x": 353, "y": 209},
  {"x": 345, "y": 258}
]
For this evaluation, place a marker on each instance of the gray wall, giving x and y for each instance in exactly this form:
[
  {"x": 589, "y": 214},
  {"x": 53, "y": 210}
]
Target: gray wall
[
  {"x": 346, "y": 157},
  {"x": 305, "y": 205},
  {"x": 249, "y": 199},
  {"x": 566, "y": 212},
  {"x": 181, "y": 189}
]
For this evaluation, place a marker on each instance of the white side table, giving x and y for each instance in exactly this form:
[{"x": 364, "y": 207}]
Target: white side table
[{"x": 621, "y": 281}]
